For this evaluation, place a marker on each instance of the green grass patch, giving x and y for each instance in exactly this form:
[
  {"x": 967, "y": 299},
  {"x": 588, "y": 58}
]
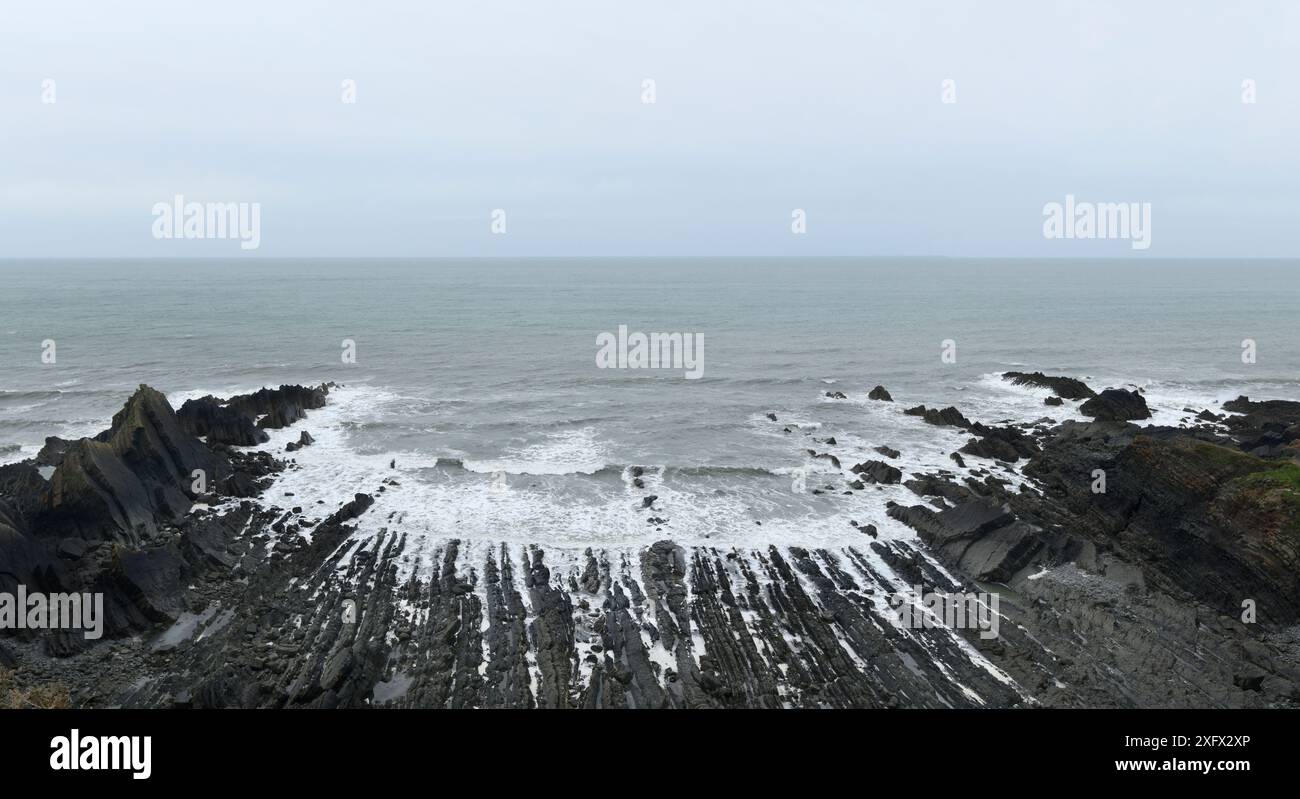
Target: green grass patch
[{"x": 1285, "y": 476}]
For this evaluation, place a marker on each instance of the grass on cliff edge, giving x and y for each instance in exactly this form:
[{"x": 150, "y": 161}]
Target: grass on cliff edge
[
  {"x": 1282, "y": 485},
  {"x": 1285, "y": 476}
]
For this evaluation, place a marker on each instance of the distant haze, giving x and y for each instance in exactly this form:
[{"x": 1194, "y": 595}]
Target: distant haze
[{"x": 760, "y": 108}]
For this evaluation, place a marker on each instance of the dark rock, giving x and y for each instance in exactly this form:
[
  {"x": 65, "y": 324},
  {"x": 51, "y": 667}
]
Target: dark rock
[
  {"x": 1066, "y": 387},
  {"x": 126, "y": 482},
  {"x": 305, "y": 440},
  {"x": 220, "y": 423},
  {"x": 879, "y": 393},
  {"x": 1116, "y": 405},
  {"x": 52, "y": 453},
  {"x": 72, "y": 548},
  {"x": 280, "y": 407},
  {"x": 878, "y": 472},
  {"x": 152, "y": 580},
  {"x": 824, "y": 456},
  {"x": 950, "y": 417}
]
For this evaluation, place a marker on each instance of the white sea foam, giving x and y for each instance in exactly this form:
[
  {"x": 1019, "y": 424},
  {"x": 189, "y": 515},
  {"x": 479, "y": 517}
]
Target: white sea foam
[
  {"x": 439, "y": 504},
  {"x": 563, "y": 452},
  {"x": 556, "y": 491}
]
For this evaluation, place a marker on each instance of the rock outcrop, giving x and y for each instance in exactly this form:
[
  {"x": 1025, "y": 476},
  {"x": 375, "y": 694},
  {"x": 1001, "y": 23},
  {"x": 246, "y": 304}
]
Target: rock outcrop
[
  {"x": 114, "y": 516},
  {"x": 1116, "y": 405},
  {"x": 878, "y": 472},
  {"x": 948, "y": 417},
  {"x": 1063, "y": 387},
  {"x": 142, "y": 472}
]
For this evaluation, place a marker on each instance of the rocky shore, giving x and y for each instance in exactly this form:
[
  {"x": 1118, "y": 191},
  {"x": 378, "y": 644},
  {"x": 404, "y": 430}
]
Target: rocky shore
[{"x": 1177, "y": 584}]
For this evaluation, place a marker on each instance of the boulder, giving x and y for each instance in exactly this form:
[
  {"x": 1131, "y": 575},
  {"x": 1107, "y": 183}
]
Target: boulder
[
  {"x": 1116, "y": 405},
  {"x": 878, "y": 472},
  {"x": 303, "y": 440}
]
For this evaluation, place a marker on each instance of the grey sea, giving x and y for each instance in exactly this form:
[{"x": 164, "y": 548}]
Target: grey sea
[{"x": 476, "y": 384}]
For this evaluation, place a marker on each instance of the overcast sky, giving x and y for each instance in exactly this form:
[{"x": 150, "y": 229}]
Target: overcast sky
[{"x": 761, "y": 108}]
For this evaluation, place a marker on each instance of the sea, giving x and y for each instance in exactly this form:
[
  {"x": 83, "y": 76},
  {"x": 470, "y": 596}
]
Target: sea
[{"x": 474, "y": 386}]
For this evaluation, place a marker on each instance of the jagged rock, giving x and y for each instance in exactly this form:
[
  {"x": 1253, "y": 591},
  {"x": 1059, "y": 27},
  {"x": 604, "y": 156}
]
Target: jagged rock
[
  {"x": 979, "y": 538},
  {"x": 936, "y": 486},
  {"x": 51, "y": 453},
  {"x": 1066, "y": 387},
  {"x": 879, "y": 393},
  {"x": 992, "y": 448},
  {"x": 1266, "y": 428},
  {"x": 878, "y": 472},
  {"x": 836, "y": 395},
  {"x": 280, "y": 407},
  {"x": 1052, "y": 401},
  {"x": 888, "y": 452},
  {"x": 126, "y": 482},
  {"x": 303, "y": 440},
  {"x": 1116, "y": 405},
  {"x": 824, "y": 456},
  {"x": 220, "y": 423},
  {"x": 1000, "y": 443},
  {"x": 949, "y": 416}
]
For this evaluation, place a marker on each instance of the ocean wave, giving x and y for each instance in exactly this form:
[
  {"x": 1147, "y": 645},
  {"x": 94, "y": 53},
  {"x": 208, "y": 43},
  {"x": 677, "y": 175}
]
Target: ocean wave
[
  {"x": 614, "y": 470},
  {"x": 55, "y": 393}
]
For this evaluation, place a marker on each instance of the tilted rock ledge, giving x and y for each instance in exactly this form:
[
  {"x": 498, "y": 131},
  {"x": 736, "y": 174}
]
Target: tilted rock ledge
[{"x": 1129, "y": 597}]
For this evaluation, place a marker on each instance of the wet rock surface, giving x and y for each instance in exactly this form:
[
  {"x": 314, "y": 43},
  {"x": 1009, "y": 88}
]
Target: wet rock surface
[{"x": 1132, "y": 595}]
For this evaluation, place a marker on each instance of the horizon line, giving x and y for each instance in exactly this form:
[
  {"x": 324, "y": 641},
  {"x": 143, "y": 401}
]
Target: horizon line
[{"x": 10, "y": 258}]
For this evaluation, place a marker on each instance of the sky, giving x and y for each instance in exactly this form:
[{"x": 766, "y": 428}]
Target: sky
[{"x": 760, "y": 108}]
